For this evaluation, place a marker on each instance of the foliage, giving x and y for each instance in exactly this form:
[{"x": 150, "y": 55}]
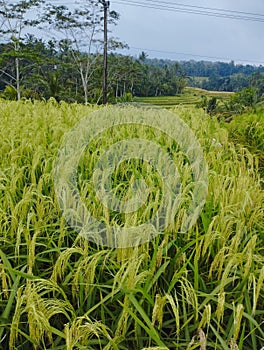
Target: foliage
[
  {"x": 248, "y": 130},
  {"x": 82, "y": 34},
  {"x": 14, "y": 20},
  {"x": 237, "y": 103},
  {"x": 58, "y": 291},
  {"x": 10, "y": 93},
  {"x": 211, "y": 108},
  {"x": 247, "y": 97},
  {"x": 217, "y": 76},
  {"x": 60, "y": 70}
]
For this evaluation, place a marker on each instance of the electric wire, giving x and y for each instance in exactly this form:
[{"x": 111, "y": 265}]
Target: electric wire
[
  {"x": 163, "y": 4},
  {"x": 196, "y": 55},
  {"x": 191, "y": 11},
  {"x": 206, "y": 8}
]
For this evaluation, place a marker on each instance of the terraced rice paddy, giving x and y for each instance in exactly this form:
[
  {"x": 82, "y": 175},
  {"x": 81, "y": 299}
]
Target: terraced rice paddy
[{"x": 190, "y": 97}]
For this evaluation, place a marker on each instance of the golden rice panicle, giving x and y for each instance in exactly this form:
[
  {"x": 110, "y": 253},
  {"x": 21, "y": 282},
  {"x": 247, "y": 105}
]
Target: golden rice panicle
[
  {"x": 157, "y": 313},
  {"x": 238, "y": 314}
]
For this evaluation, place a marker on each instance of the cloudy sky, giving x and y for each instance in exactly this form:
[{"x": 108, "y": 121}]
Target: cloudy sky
[{"x": 184, "y": 36}]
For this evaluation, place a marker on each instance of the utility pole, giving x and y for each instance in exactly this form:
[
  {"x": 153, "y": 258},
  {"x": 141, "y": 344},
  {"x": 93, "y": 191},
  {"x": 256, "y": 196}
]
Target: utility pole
[{"x": 106, "y": 5}]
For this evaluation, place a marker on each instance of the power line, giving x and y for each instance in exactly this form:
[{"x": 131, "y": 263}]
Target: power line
[
  {"x": 197, "y": 11},
  {"x": 207, "y": 8},
  {"x": 189, "y": 9},
  {"x": 196, "y": 55},
  {"x": 158, "y": 3},
  {"x": 192, "y": 9}
]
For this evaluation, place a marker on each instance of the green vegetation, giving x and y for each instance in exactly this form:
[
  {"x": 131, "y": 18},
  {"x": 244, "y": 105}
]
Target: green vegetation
[
  {"x": 224, "y": 105},
  {"x": 200, "y": 290},
  {"x": 248, "y": 130},
  {"x": 203, "y": 289},
  {"x": 189, "y": 96},
  {"x": 246, "y": 100},
  {"x": 169, "y": 101},
  {"x": 217, "y": 76}
]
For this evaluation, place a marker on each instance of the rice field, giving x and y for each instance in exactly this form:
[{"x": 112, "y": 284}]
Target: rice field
[
  {"x": 190, "y": 97},
  {"x": 203, "y": 289}
]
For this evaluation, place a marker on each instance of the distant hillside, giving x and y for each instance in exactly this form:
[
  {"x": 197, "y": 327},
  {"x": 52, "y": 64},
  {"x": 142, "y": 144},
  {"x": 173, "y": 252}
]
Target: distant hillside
[
  {"x": 216, "y": 76},
  {"x": 207, "y": 68}
]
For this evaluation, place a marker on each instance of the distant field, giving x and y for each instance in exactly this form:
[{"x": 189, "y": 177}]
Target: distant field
[{"x": 191, "y": 96}]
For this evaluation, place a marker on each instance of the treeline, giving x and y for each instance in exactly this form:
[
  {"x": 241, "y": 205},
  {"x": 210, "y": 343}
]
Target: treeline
[
  {"x": 216, "y": 76},
  {"x": 235, "y": 82},
  {"x": 50, "y": 70},
  {"x": 69, "y": 65}
]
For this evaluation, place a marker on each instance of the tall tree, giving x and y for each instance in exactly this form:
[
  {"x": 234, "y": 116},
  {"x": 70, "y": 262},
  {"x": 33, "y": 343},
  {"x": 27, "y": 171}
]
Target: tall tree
[
  {"x": 82, "y": 29},
  {"x": 14, "y": 20}
]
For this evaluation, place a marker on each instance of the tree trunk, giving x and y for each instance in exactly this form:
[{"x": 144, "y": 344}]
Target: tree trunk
[
  {"x": 124, "y": 91},
  {"x": 18, "y": 79},
  {"x": 85, "y": 94},
  {"x": 84, "y": 84},
  {"x": 132, "y": 88},
  {"x": 117, "y": 87}
]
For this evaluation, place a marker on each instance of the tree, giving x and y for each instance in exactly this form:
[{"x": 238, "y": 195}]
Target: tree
[
  {"x": 124, "y": 73},
  {"x": 82, "y": 29},
  {"x": 142, "y": 57},
  {"x": 212, "y": 104},
  {"x": 257, "y": 81},
  {"x": 14, "y": 20}
]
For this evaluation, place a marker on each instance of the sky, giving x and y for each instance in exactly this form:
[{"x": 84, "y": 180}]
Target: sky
[{"x": 182, "y": 36}]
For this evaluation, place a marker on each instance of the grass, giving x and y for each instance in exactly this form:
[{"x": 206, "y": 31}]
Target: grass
[{"x": 201, "y": 290}]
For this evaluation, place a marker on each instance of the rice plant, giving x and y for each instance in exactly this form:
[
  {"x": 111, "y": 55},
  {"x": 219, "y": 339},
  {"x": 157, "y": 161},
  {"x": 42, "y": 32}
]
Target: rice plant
[
  {"x": 248, "y": 130},
  {"x": 198, "y": 290}
]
